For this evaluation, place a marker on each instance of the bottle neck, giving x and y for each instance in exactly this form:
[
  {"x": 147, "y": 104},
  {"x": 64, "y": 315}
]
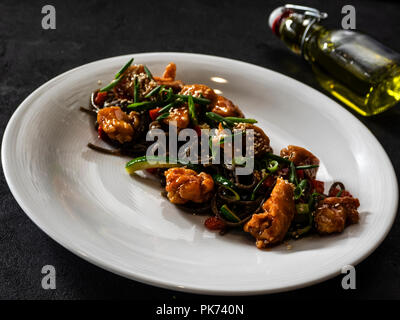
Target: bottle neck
[{"x": 295, "y": 30}]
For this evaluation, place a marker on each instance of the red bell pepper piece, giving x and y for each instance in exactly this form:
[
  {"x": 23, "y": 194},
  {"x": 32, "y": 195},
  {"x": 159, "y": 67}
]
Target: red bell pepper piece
[
  {"x": 100, "y": 98},
  {"x": 153, "y": 113},
  {"x": 214, "y": 223}
]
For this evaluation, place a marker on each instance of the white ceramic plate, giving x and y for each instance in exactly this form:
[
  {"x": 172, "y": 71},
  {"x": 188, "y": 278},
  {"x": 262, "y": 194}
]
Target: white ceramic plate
[{"x": 86, "y": 202}]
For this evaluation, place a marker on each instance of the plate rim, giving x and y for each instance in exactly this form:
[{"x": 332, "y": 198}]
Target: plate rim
[{"x": 7, "y": 140}]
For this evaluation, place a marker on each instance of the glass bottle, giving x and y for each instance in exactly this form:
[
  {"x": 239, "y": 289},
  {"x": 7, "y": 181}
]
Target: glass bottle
[{"x": 353, "y": 67}]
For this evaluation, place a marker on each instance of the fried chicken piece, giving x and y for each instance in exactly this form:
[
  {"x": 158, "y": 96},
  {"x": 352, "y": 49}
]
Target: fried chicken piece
[
  {"x": 170, "y": 71},
  {"x": 176, "y": 85},
  {"x": 261, "y": 140},
  {"x": 225, "y": 108},
  {"x": 219, "y": 104},
  {"x": 117, "y": 124},
  {"x": 301, "y": 157},
  {"x": 199, "y": 90},
  {"x": 271, "y": 226},
  {"x": 333, "y": 214},
  {"x": 168, "y": 78},
  {"x": 126, "y": 86},
  {"x": 185, "y": 185},
  {"x": 180, "y": 115}
]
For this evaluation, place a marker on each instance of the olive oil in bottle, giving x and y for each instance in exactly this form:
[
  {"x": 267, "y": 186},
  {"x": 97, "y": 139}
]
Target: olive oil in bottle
[{"x": 353, "y": 67}]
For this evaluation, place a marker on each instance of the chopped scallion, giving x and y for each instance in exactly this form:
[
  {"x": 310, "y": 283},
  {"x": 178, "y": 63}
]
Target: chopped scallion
[
  {"x": 192, "y": 110},
  {"x": 195, "y": 100},
  {"x": 123, "y": 69},
  {"x": 302, "y": 208},
  {"x": 293, "y": 174},
  {"x": 148, "y": 72},
  {"x": 240, "y": 120},
  {"x": 253, "y": 195},
  {"x": 144, "y": 105},
  {"x": 300, "y": 189},
  {"x": 111, "y": 85},
  {"x": 311, "y": 166},
  {"x": 229, "y": 214},
  {"x": 273, "y": 166},
  {"x": 154, "y": 91},
  {"x": 162, "y": 116}
]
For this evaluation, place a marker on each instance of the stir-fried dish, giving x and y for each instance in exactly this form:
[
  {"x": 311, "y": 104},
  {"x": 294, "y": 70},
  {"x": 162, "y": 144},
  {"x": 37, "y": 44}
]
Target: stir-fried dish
[{"x": 281, "y": 197}]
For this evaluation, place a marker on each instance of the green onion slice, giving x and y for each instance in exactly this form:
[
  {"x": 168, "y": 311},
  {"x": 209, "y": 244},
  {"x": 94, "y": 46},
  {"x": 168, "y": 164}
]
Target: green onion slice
[
  {"x": 302, "y": 208},
  {"x": 240, "y": 120},
  {"x": 230, "y": 121},
  {"x": 293, "y": 174},
  {"x": 229, "y": 214},
  {"x": 311, "y": 166},
  {"x": 162, "y": 116},
  {"x": 233, "y": 135},
  {"x": 313, "y": 200},
  {"x": 277, "y": 158},
  {"x": 273, "y": 166},
  {"x": 148, "y": 72},
  {"x": 195, "y": 100},
  {"x": 117, "y": 77},
  {"x": 170, "y": 97},
  {"x": 144, "y": 105},
  {"x": 221, "y": 180},
  {"x": 170, "y": 105},
  {"x": 253, "y": 195},
  {"x": 192, "y": 110},
  {"x": 240, "y": 161},
  {"x": 227, "y": 184},
  {"x": 111, "y": 85},
  {"x": 154, "y": 91},
  {"x": 143, "y": 163},
  {"x": 300, "y": 189},
  {"x": 211, "y": 146},
  {"x": 218, "y": 119},
  {"x": 123, "y": 69},
  {"x": 235, "y": 194}
]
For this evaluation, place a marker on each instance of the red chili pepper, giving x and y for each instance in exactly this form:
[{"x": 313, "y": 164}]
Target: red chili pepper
[
  {"x": 214, "y": 223},
  {"x": 318, "y": 186},
  {"x": 100, "y": 132},
  {"x": 100, "y": 97},
  {"x": 300, "y": 174},
  {"x": 153, "y": 113}
]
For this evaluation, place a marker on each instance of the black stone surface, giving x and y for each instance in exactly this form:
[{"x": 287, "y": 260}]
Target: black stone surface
[{"x": 91, "y": 30}]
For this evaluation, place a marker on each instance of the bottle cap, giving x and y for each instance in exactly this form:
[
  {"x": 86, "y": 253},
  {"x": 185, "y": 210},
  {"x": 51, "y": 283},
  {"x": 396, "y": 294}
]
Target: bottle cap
[{"x": 276, "y": 17}]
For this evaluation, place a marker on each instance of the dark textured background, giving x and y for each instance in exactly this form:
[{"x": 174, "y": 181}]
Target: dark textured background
[{"x": 91, "y": 30}]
